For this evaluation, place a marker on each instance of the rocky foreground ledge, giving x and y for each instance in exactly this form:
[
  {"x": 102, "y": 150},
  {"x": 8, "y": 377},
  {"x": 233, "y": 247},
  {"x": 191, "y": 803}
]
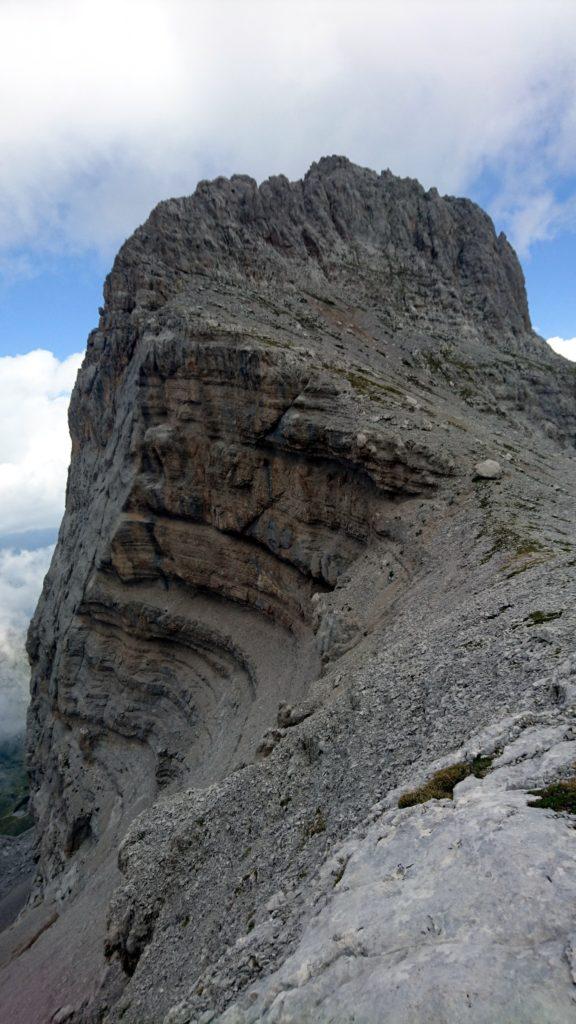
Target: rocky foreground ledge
[
  {"x": 318, "y": 545},
  {"x": 461, "y": 906}
]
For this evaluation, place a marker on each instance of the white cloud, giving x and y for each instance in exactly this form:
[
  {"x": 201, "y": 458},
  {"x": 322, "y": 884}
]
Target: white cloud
[
  {"x": 564, "y": 346},
  {"x": 34, "y": 442},
  {"x": 110, "y": 105},
  {"x": 34, "y": 454},
  {"x": 535, "y": 216},
  {"x": 21, "y": 575}
]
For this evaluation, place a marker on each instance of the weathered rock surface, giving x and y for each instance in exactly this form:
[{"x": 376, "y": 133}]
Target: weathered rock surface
[
  {"x": 452, "y": 910},
  {"x": 278, "y": 595},
  {"x": 16, "y": 873}
]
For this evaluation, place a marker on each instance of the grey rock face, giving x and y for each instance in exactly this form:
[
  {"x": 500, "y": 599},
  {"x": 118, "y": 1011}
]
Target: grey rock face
[
  {"x": 451, "y": 910},
  {"x": 413, "y": 245},
  {"x": 279, "y": 595},
  {"x": 16, "y": 872}
]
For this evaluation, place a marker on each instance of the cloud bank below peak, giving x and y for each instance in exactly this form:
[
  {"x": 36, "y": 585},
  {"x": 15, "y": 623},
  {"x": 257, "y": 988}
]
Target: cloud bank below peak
[
  {"x": 34, "y": 454},
  {"x": 21, "y": 575},
  {"x": 34, "y": 441},
  {"x": 123, "y": 103}
]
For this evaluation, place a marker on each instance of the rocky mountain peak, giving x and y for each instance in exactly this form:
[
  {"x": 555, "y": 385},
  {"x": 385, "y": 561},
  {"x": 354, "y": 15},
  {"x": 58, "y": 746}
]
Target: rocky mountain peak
[
  {"x": 381, "y": 238},
  {"x": 306, "y": 642}
]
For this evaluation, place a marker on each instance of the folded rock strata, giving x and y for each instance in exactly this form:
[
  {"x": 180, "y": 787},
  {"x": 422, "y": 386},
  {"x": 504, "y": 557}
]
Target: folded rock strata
[{"x": 279, "y": 594}]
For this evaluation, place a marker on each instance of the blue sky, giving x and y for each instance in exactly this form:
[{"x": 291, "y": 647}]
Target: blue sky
[
  {"x": 477, "y": 98},
  {"x": 550, "y": 271},
  {"x": 53, "y": 307},
  {"x": 109, "y": 106}
]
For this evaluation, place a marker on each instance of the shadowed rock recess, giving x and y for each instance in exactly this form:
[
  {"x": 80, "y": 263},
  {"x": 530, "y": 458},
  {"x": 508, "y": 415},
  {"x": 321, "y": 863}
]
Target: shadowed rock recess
[{"x": 282, "y": 596}]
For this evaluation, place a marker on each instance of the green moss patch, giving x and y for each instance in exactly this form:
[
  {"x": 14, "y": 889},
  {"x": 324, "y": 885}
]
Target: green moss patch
[
  {"x": 506, "y": 539},
  {"x": 441, "y": 785},
  {"x": 559, "y": 796},
  {"x": 537, "y": 618}
]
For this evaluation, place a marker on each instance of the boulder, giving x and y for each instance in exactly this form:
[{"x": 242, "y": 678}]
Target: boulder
[{"x": 489, "y": 469}]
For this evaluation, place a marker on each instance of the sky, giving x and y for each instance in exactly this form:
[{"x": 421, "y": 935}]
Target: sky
[{"x": 109, "y": 106}]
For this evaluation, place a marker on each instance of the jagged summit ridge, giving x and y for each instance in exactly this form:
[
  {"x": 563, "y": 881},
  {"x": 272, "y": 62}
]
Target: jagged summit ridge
[{"x": 341, "y": 225}]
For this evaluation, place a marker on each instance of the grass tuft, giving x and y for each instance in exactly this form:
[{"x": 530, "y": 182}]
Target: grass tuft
[
  {"x": 441, "y": 785},
  {"x": 559, "y": 796}
]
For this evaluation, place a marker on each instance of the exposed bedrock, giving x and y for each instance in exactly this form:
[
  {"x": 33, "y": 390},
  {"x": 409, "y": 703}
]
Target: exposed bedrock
[
  {"x": 251, "y": 484},
  {"x": 278, "y": 590}
]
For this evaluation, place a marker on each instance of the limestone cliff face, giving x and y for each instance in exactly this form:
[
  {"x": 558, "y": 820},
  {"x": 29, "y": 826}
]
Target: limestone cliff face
[{"x": 271, "y": 503}]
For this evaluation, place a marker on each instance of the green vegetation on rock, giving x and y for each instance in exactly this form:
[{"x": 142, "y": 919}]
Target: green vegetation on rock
[
  {"x": 537, "y": 618},
  {"x": 559, "y": 796},
  {"x": 441, "y": 785}
]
